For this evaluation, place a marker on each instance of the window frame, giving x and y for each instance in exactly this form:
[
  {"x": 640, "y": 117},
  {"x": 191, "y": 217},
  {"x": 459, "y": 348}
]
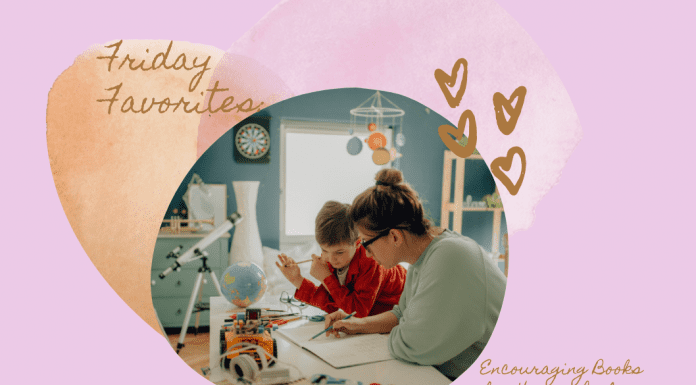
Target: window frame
[{"x": 313, "y": 127}]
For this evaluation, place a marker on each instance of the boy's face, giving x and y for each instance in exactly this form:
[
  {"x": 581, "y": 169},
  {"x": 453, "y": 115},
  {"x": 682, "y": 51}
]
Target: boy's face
[{"x": 339, "y": 255}]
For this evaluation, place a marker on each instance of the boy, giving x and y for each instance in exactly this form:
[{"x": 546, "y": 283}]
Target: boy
[{"x": 350, "y": 280}]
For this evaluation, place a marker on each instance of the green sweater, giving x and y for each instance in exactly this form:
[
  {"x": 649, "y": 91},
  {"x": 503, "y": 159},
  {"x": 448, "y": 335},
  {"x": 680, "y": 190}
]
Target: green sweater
[{"x": 449, "y": 307}]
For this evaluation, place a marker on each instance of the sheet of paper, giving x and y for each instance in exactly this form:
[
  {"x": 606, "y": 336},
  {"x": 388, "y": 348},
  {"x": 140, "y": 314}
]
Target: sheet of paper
[
  {"x": 349, "y": 350},
  {"x": 360, "y": 350},
  {"x": 301, "y": 334}
]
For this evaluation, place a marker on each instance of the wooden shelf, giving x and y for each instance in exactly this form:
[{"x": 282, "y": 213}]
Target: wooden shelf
[
  {"x": 482, "y": 209},
  {"x": 453, "y": 207},
  {"x": 457, "y": 207}
]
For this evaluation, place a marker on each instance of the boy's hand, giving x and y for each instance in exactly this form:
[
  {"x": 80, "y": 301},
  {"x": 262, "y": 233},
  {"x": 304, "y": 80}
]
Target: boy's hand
[
  {"x": 320, "y": 268},
  {"x": 290, "y": 270}
]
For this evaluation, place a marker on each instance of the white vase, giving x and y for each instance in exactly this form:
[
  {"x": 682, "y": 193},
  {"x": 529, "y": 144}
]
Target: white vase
[{"x": 246, "y": 240}]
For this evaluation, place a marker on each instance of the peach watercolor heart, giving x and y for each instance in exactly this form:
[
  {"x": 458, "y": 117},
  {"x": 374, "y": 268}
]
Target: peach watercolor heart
[{"x": 116, "y": 173}]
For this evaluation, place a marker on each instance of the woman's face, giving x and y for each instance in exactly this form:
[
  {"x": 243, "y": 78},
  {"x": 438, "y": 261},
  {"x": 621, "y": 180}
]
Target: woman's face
[{"x": 380, "y": 248}]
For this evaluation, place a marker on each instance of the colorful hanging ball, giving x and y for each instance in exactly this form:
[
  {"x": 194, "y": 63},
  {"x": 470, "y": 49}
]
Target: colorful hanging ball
[
  {"x": 381, "y": 156},
  {"x": 354, "y": 146},
  {"x": 393, "y": 154},
  {"x": 371, "y": 126},
  {"x": 376, "y": 140},
  {"x": 400, "y": 139}
]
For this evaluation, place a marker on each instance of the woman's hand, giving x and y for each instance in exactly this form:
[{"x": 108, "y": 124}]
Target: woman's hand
[
  {"x": 350, "y": 326},
  {"x": 320, "y": 268},
  {"x": 290, "y": 270}
]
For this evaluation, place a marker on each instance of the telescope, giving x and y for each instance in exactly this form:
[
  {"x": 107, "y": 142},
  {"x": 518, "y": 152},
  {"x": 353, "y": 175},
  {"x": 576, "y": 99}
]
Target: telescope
[
  {"x": 194, "y": 253},
  {"x": 197, "y": 251}
]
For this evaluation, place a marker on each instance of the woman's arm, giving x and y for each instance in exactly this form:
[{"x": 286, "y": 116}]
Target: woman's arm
[
  {"x": 380, "y": 323},
  {"x": 447, "y": 312}
]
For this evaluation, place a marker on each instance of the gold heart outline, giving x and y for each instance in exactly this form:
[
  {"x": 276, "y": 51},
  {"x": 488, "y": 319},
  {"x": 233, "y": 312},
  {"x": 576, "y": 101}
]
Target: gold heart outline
[
  {"x": 505, "y": 163},
  {"x": 446, "y": 132},
  {"x": 450, "y": 80},
  {"x": 500, "y": 102}
]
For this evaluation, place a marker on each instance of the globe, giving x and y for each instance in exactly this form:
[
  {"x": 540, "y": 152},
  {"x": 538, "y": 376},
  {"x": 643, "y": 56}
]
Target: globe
[{"x": 243, "y": 283}]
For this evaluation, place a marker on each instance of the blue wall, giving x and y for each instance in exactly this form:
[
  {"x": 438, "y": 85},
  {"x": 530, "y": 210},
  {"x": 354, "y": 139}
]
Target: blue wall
[{"x": 421, "y": 162}]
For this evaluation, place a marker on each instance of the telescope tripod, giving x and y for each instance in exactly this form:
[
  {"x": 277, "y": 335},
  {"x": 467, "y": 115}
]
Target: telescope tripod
[{"x": 196, "y": 295}]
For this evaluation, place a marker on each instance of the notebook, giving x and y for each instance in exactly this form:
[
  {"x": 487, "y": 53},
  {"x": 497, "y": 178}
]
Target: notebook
[{"x": 349, "y": 350}]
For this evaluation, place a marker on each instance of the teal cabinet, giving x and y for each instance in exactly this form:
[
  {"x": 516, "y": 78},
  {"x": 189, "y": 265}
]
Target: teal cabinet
[{"x": 171, "y": 295}]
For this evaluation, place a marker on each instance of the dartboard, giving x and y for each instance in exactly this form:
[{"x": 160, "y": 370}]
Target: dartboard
[{"x": 252, "y": 141}]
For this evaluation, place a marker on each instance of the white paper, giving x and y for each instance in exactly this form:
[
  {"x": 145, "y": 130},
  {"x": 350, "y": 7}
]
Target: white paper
[{"x": 349, "y": 350}]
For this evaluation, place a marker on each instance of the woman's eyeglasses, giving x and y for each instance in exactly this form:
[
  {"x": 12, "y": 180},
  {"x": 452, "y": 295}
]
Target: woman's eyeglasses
[{"x": 378, "y": 236}]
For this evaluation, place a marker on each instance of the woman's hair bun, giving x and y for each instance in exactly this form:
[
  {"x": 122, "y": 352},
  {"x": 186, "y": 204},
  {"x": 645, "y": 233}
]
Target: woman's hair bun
[
  {"x": 391, "y": 203},
  {"x": 389, "y": 177}
]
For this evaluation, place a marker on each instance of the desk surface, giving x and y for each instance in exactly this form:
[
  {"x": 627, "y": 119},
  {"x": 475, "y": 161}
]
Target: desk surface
[{"x": 386, "y": 372}]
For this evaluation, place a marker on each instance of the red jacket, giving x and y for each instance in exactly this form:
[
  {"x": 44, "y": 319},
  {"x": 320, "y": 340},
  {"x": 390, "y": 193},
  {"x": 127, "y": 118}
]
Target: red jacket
[{"x": 370, "y": 288}]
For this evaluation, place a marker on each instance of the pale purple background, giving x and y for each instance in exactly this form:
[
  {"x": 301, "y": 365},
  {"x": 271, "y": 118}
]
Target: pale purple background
[
  {"x": 396, "y": 46},
  {"x": 605, "y": 271}
]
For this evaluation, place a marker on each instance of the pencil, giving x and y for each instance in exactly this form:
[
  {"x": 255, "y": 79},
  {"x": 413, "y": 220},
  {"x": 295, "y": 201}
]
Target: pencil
[
  {"x": 331, "y": 327},
  {"x": 309, "y": 260}
]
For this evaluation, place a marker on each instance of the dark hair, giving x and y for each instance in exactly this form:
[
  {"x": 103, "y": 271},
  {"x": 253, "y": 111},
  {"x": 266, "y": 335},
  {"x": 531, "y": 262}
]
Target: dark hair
[
  {"x": 333, "y": 225},
  {"x": 390, "y": 203}
]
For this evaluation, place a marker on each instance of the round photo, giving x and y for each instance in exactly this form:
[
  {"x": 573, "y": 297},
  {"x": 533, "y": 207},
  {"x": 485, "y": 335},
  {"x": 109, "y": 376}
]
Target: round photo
[{"x": 333, "y": 238}]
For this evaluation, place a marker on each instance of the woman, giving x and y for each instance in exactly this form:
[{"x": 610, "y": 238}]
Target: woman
[{"x": 453, "y": 291}]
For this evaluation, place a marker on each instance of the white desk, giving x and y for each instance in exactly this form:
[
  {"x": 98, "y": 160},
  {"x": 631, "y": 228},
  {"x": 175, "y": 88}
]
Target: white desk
[{"x": 386, "y": 372}]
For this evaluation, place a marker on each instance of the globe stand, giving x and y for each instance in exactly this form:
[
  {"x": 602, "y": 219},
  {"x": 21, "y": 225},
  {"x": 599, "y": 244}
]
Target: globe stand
[{"x": 197, "y": 286}]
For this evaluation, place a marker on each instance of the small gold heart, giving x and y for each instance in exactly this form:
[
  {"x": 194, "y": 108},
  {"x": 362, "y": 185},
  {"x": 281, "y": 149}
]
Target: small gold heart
[
  {"x": 446, "y": 132},
  {"x": 445, "y": 80},
  {"x": 500, "y": 164},
  {"x": 499, "y": 102}
]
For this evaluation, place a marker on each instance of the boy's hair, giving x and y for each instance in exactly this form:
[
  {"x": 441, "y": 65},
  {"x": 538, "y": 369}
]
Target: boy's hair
[{"x": 333, "y": 225}]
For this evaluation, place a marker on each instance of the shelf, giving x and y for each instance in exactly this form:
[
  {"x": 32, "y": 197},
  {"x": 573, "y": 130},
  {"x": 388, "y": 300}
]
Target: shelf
[
  {"x": 453, "y": 207},
  {"x": 482, "y": 209},
  {"x": 457, "y": 164}
]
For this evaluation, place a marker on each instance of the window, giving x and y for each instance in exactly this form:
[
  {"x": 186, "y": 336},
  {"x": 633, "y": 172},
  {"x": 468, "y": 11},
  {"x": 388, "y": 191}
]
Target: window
[{"x": 316, "y": 167}]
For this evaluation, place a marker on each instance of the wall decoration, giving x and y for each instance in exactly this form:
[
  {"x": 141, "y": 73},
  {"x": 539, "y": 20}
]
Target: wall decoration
[{"x": 252, "y": 141}]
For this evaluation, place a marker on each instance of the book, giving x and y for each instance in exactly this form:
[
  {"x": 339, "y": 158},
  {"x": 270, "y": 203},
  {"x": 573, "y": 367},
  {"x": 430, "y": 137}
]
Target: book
[{"x": 349, "y": 350}]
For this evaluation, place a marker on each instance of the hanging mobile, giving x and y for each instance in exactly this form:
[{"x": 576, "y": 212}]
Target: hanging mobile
[{"x": 374, "y": 113}]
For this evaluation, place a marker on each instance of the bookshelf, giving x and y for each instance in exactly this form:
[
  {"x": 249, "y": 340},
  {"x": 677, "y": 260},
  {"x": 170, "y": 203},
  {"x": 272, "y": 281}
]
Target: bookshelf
[{"x": 456, "y": 207}]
